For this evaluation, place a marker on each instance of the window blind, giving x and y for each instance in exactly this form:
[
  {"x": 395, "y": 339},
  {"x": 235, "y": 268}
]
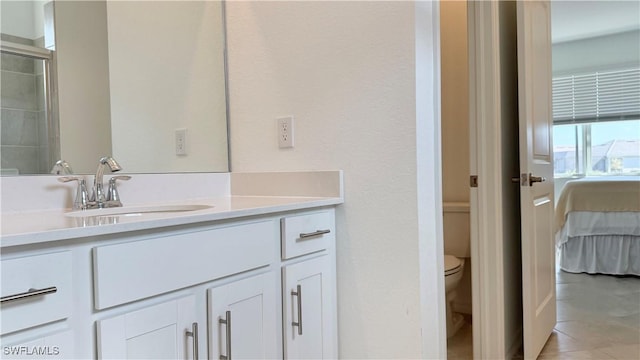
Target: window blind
[{"x": 600, "y": 96}]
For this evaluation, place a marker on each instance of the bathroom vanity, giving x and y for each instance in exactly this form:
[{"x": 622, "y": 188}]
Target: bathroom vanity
[{"x": 252, "y": 276}]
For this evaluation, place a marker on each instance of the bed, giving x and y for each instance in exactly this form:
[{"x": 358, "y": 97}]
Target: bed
[{"x": 597, "y": 225}]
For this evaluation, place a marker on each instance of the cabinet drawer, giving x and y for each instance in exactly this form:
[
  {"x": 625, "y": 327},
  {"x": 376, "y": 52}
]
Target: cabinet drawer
[
  {"x": 304, "y": 234},
  {"x": 43, "y": 288},
  {"x": 131, "y": 271}
]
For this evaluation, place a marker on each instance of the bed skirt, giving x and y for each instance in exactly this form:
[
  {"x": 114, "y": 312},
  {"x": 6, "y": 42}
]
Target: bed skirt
[{"x": 601, "y": 254}]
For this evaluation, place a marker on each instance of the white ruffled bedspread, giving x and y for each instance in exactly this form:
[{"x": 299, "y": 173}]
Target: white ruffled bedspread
[{"x": 600, "y": 242}]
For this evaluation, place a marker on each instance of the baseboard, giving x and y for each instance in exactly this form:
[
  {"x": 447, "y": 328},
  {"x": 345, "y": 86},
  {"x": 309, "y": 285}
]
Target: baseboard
[{"x": 515, "y": 345}]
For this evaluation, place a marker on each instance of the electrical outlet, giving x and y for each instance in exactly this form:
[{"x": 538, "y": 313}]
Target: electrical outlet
[
  {"x": 285, "y": 132},
  {"x": 181, "y": 141}
]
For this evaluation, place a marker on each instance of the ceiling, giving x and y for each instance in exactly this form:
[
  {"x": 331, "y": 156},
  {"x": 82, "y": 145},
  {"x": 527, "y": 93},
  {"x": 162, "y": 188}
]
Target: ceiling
[{"x": 573, "y": 20}]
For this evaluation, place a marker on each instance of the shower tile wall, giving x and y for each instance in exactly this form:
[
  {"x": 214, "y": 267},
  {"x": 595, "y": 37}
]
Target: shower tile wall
[{"x": 24, "y": 140}]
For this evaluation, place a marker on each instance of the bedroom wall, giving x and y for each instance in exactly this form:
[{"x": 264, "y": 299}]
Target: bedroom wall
[{"x": 614, "y": 51}]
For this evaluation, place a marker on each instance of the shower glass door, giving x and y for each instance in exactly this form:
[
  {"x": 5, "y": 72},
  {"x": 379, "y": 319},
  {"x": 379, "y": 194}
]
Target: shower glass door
[{"x": 29, "y": 137}]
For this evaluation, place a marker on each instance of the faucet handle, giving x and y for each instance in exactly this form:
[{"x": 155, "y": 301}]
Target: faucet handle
[
  {"x": 65, "y": 179},
  {"x": 81, "y": 200},
  {"x": 112, "y": 193}
]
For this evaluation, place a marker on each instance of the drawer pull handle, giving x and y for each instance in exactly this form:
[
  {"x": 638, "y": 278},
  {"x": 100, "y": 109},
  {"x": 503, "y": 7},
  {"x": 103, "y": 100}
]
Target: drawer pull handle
[
  {"x": 227, "y": 322},
  {"x": 298, "y": 323},
  {"x": 194, "y": 334},
  {"x": 315, "y": 233},
  {"x": 28, "y": 294}
]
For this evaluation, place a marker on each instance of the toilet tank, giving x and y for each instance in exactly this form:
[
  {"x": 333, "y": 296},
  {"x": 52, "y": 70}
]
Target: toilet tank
[{"x": 456, "y": 224}]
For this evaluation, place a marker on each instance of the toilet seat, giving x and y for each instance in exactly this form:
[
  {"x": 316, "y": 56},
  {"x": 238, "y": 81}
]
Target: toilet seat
[{"x": 452, "y": 265}]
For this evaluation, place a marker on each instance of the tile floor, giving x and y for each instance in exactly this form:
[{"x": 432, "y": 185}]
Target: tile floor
[
  {"x": 461, "y": 345},
  {"x": 598, "y": 318}
]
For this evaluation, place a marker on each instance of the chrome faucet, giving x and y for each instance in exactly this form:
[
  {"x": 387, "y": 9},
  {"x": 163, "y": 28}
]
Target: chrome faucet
[
  {"x": 98, "y": 198},
  {"x": 61, "y": 167}
]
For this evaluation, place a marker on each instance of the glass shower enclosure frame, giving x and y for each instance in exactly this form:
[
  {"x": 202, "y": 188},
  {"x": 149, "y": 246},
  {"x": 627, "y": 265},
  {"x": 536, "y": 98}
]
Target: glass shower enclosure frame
[{"x": 50, "y": 94}]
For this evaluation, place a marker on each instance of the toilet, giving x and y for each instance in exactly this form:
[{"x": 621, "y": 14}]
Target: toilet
[
  {"x": 452, "y": 274},
  {"x": 456, "y": 248}
]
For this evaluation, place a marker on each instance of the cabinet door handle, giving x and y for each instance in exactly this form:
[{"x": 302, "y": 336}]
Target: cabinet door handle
[
  {"x": 298, "y": 323},
  {"x": 313, "y": 234},
  {"x": 194, "y": 333},
  {"x": 28, "y": 294},
  {"x": 227, "y": 322}
]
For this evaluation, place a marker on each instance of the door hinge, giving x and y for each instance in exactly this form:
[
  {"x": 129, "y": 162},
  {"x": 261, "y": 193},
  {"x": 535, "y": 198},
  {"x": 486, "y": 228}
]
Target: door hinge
[{"x": 473, "y": 181}]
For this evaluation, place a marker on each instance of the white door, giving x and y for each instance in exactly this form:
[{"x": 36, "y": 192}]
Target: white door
[
  {"x": 536, "y": 167},
  {"x": 165, "y": 331},
  {"x": 242, "y": 319},
  {"x": 307, "y": 310}
]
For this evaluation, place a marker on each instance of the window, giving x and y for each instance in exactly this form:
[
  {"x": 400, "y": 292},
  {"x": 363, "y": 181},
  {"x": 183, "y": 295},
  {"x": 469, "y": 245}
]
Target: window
[
  {"x": 600, "y": 148},
  {"x": 597, "y": 123}
]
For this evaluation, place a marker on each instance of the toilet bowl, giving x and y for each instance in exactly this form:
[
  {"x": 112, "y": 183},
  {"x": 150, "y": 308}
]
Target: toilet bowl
[
  {"x": 453, "y": 267},
  {"x": 457, "y": 247}
]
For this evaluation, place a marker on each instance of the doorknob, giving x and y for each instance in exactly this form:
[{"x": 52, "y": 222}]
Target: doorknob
[
  {"x": 523, "y": 179},
  {"x": 535, "y": 179}
]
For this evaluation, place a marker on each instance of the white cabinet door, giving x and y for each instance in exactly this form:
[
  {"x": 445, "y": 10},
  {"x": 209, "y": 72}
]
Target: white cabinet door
[
  {"x": 308, "y": 310},
  {"x": 243, "y": 320},
  {"x": 162, "y": 331},
  {"x": 54, "y": 346}
]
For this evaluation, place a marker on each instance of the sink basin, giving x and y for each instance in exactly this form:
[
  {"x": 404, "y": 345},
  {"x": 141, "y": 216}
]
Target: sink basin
[{"x": 138, "y": 210}]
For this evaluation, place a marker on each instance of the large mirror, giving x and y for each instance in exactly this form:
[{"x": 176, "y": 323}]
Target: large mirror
[{"x": 143, "y": 81}]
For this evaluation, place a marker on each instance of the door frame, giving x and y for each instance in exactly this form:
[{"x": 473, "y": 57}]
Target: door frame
[
  {"x": 486, "y": 199},
  {"x": 429, "y": 180}
]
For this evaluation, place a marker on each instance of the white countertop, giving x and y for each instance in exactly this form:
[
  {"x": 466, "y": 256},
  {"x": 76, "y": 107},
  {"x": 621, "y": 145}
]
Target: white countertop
[{"x": 31, "y": 227}]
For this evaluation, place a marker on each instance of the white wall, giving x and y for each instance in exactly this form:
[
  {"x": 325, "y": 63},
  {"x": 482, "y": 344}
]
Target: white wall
[
  {"x": 17, "y": 18},
  {"x": 37, "y": 9},
  {"x": 83, "y": 82},
  {"x": 615, "y": 51},
  {"x": 359, "y": 77},
  {"x": 22, "y": 18},
  {"x": 455, "y": 101},
  {"x": 167, "y": 72}
]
